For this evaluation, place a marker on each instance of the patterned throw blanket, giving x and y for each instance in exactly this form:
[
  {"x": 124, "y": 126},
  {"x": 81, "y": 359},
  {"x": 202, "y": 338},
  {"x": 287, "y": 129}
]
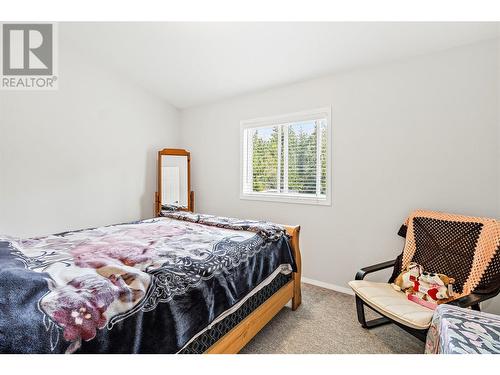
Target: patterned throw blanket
[
  {"x": 455, "y": 330},
  {"x": 268, "y": 231},
  {"x": 144, "y": 287}
]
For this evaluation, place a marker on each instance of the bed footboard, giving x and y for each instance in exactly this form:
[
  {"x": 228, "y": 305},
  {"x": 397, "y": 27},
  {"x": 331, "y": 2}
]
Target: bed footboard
[{"x": 294, "y": 232}]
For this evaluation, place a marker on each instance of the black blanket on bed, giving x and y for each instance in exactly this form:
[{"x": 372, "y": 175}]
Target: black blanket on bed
[{"x": 144, "y": 287}]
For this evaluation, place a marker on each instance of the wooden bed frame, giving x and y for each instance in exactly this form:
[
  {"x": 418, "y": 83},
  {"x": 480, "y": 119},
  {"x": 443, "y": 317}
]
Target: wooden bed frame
[{"x": 233, "y": 341}]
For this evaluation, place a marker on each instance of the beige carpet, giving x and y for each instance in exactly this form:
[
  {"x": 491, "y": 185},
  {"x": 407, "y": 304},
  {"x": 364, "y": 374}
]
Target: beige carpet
[{"x": 326, "y": 322}]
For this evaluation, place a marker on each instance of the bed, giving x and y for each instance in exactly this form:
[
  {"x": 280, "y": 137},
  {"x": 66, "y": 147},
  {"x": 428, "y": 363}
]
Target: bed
[{"x": 181, "y": 283}]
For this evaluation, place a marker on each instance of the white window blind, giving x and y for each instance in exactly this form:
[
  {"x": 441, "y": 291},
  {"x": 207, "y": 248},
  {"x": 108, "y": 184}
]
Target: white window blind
[{"x": 285, "y": 158}]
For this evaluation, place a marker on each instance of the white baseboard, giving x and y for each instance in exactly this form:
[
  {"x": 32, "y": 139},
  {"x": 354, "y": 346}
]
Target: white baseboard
[{"x": 322, "y": 284}]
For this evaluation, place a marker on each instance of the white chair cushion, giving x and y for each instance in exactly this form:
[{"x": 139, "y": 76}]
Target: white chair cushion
[{"x": 393, "y": 304}]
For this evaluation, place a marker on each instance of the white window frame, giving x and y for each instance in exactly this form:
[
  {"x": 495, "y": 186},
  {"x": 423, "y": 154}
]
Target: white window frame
[{"x": 324, "y": 112}]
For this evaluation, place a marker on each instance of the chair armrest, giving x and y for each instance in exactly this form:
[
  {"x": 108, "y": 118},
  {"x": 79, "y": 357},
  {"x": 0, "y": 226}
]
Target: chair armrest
[
  {"x": 472, "y": 299},
  {"x": 360, "y": 275}
]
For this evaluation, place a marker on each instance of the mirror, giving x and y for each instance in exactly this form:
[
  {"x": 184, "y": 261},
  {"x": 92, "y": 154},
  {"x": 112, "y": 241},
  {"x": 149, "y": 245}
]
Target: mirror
[{"x": 173, "y": 181}]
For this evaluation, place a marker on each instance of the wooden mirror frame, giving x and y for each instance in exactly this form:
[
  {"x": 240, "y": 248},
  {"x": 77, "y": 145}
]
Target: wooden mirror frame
[{"x": 173, "y": 152}]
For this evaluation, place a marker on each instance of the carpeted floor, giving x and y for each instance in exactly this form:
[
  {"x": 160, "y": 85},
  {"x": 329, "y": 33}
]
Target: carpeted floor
[{"x": 326, "y": 323}]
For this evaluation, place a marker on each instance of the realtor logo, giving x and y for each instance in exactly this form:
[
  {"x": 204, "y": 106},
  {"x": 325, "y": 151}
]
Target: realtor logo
[{"x": 28, "y": 56}]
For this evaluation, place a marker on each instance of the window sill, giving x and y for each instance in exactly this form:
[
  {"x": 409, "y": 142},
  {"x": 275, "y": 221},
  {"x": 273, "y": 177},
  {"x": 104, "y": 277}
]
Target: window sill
[{"x": 286, "y": 199}]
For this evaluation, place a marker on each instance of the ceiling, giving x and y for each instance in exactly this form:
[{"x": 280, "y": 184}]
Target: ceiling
[{"x": 189, "y": 64}]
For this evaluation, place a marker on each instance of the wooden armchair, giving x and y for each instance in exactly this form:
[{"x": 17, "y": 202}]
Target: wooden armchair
[{"x": 465, "y": 248}]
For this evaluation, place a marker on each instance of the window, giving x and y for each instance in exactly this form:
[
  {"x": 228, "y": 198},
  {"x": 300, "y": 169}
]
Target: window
[{"x": 286, "y": 158}]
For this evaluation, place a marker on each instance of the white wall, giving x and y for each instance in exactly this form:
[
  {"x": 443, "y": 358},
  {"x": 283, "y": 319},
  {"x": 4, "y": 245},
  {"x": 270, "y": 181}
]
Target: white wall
[
  {"x": 419, "y": 133},
  {"x": 82, "y": 156},
  {"x": 494, "y": 305}
]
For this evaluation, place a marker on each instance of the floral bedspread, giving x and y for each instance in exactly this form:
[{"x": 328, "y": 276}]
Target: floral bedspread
[
  {"x": 455, "y": 330},
  {"x": 144, "y": 287}
]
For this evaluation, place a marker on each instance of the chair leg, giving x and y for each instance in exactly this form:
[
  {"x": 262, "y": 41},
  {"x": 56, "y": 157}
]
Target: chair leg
[
  {"x": 420, "y": 334},
  {"x": 362, "y": 319}
]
